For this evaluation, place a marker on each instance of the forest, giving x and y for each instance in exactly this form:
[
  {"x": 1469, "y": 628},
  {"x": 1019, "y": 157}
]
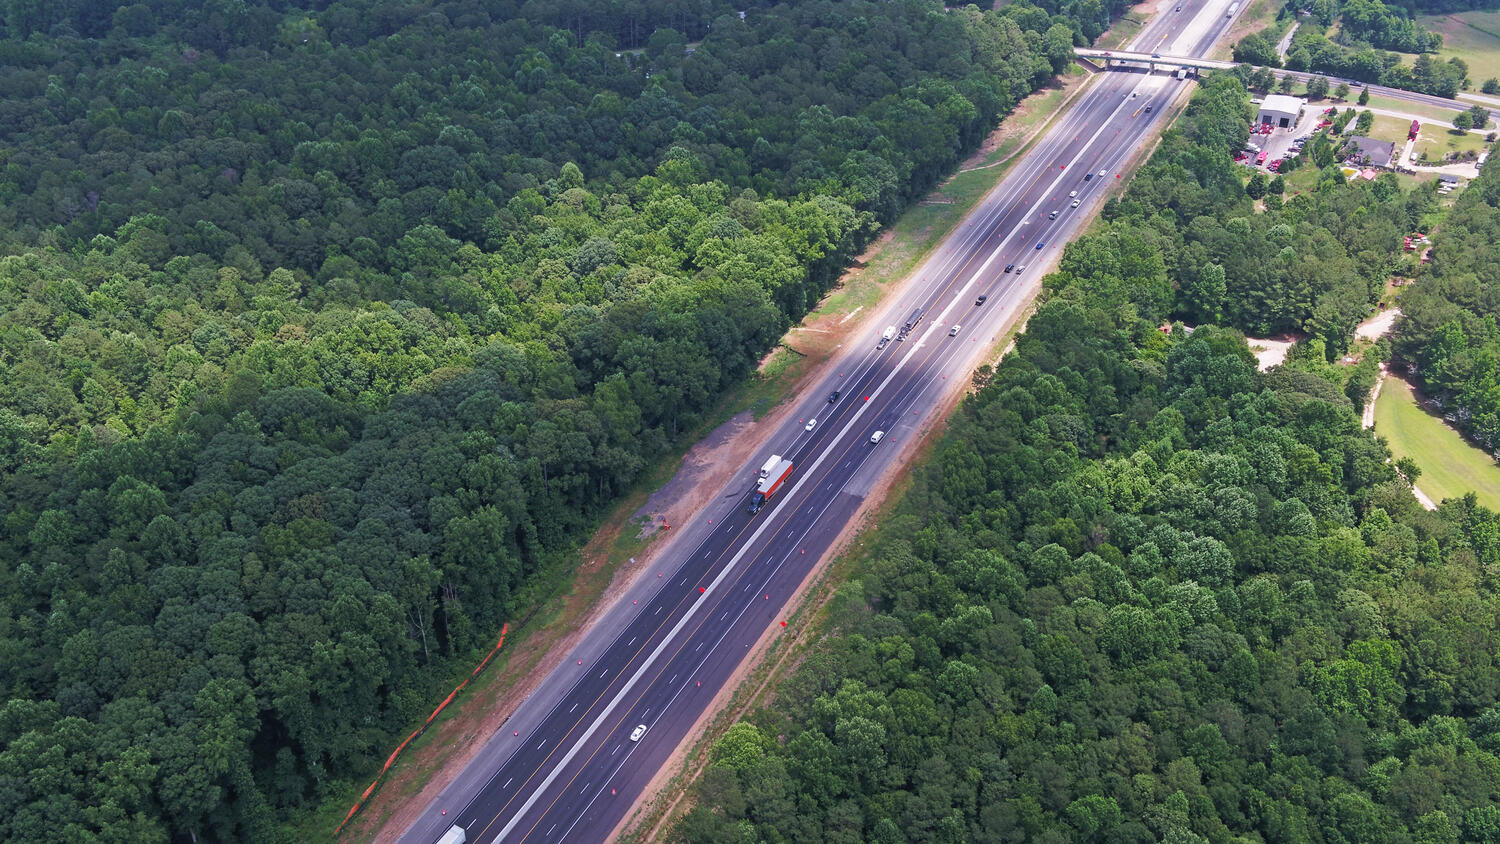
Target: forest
[
  {"x": 1386, "y": 27},
  {"x": 1247, "y": 255},
  {"x": 1143, "y": 591},
  {"x": 1370, "y": 38},
  {"x": 1447, "y": 332},
  {"x": 1311, "y": 51},
  {"x": 324, "y": 329}
]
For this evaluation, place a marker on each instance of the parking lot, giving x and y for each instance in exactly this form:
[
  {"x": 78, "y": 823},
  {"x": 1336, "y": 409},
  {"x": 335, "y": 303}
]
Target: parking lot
[{"x": 1281, "y": 143}]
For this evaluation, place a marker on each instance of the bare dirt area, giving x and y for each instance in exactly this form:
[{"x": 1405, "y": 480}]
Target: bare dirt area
[
  {"x": 1377, "y": 326},
  {"x": 1367, "y": 416},
  {"x": 705, "y": 468},
  {"x": 1270, "y": 351}
]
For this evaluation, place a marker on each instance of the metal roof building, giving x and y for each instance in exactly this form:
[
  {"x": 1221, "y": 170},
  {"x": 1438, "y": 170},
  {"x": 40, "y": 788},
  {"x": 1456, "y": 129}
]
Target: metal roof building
[{"x": 1280, "y": 110}]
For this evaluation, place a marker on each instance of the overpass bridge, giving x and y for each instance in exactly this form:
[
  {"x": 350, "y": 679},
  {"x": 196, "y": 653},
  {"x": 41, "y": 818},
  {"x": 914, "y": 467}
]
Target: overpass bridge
[
  {"x": 1152, "y": 61},
  {"x": 1128, "y": 60}
]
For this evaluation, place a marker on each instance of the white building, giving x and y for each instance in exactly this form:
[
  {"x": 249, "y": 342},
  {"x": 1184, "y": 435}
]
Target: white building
[{"x": 1280, "y": 110}]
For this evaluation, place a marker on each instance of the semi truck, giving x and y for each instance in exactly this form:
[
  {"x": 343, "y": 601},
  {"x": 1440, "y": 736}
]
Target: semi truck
[
  {"x": 455, "y": 835},
  {"x": 890, "y": 334},
  {"x": 769, "y": 484},
  {"x": 911, "y": 322}
]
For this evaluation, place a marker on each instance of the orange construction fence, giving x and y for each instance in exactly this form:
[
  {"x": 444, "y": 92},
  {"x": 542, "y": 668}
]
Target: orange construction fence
[{"x": 359, "y": 804}]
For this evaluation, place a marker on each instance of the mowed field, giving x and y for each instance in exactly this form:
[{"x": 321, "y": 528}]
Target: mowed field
[
  {"x": 1450, "y": 466},
  {"x": 1471, "y": 36}
]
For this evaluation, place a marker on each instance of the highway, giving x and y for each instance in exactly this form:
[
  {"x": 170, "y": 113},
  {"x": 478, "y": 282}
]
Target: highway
[{"x": 566, "y": 766}]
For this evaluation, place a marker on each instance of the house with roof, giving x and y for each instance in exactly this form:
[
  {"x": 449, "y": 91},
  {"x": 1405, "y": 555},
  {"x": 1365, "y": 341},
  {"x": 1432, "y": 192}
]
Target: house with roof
[{"x": 1368, "y": 152}]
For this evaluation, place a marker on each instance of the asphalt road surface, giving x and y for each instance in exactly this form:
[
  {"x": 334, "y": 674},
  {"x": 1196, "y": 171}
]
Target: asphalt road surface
[{"x": 574, "y": 759}]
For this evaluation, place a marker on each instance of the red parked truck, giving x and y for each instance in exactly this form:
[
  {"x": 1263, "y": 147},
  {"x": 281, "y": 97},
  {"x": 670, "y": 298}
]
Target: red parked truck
[{"x": 769, "y": 483}]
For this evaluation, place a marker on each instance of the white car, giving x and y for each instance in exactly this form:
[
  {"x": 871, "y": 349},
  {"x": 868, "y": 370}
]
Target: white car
[
  {"x": 875, "y": 437},
  {"x": 639, "y": 731},
  {"x": 1075, "y": 203},
  {"x": 1072, "y": 194},
  {"x": 811, "y": 424},
  {"x": 953, "y": 332},
  {"x": 1101, "y": 174}
]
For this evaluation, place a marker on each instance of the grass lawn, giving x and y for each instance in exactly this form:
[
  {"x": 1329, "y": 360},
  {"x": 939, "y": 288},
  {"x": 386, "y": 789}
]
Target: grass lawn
[
  {"x": 1259, "y": 16},
  {"x": 1471, "y": 36},
  {"x": 1387, "y": 128},
  {"x": 1425, "y": 113},
  {"x": 1450, "y": 466},
  {"x": 1437, "y": 140},
  {"x": 1127, "y": 27},
  {"x": 1301, "y": 180}
]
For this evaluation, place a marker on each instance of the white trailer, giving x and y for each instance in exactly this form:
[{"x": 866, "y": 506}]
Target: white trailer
[{"x": 770, "y": 464}]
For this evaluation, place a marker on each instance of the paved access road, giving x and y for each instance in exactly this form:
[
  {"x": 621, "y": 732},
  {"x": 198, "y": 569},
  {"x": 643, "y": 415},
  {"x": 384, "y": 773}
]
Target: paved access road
[{"x": 567, "y": 765}]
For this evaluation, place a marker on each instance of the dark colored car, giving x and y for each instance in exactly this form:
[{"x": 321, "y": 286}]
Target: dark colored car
[
  {"x": 833, "y": 396},
  {"x": 1009, "y": 267},
  {"x": 1040, "y": 244},
  {"x": 980, "y": 301},
  {"x": 1088, "y": 176}
]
